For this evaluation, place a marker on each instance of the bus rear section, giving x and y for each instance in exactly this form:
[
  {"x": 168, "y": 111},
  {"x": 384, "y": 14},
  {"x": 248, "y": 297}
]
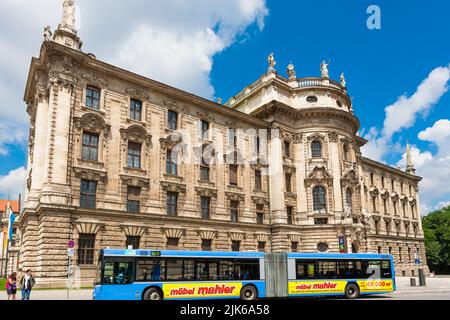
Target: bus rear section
[{"x": 349, "y": 275}]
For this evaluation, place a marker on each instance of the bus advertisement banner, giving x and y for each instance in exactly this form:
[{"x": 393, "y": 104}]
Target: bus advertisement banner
[
  {"x": 337, "y": 286},
  {"x": 201, "y": 290},
  {"x": 375, "y": 285}
]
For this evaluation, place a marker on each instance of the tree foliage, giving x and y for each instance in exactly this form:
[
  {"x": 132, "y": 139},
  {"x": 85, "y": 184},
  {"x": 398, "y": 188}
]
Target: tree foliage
[{"x": 436, "y": 227}]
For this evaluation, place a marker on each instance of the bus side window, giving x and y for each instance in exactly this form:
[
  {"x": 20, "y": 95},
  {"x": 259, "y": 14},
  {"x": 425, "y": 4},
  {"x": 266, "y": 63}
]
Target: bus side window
[
  {"x": 188, "y": 270},
  {"x": 386, "y": 269},
  {"x": 151, "y": 270}
]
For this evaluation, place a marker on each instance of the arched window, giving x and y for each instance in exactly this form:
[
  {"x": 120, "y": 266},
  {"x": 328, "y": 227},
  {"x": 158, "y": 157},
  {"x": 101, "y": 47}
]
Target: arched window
[
  {"x": 319, "y": 199},
  {"x": 348, "y": 198},
  {"x": 316, "y": 149},
  {"x": 346, "y": 153}
]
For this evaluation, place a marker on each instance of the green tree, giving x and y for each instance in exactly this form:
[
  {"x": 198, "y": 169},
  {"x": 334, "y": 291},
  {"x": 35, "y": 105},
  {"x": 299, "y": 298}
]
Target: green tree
[{"x": 436, "y": 227}]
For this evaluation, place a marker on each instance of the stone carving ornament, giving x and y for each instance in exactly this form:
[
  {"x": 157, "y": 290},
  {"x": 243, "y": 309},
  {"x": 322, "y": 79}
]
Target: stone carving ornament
[{"x": 324, "y": 70}]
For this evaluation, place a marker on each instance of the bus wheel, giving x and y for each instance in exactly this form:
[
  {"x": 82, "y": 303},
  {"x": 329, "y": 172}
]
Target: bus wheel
[
  {"x": 153, "y": 294},
  {"x": 249, "y": 293},
  {"x": 352, "y": 291}
]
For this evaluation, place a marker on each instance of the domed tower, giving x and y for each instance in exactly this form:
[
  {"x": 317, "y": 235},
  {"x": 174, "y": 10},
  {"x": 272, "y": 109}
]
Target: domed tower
[{"x": 314, "y": 159}]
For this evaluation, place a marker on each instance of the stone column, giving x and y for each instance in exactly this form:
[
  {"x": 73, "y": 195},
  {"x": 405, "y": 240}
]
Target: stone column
[{"x": 276, "y": 177}]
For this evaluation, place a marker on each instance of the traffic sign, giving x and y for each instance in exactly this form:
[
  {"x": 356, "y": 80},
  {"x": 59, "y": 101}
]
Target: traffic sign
[
  {"x": 70, "y": 252},
  {"x": 71, "y": 244}
]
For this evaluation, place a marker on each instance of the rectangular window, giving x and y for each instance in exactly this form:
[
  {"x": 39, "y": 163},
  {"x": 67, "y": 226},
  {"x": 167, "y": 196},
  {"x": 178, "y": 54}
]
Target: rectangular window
[
  {"x": 234, "y": 210},
  {"x": 86, "y": 249},
  {"x": 90, "y": 146},
  {"x": 92, "y": 98},
  {"x": 261, "y": 246},
  {"x": 288, "y": 181},
  {"x": 205, "y": 206},
  {"x": 172, "y": 243},
  {"x": 204, "y": 129},
  {"x": 320, "y": 221},
  {"x": 134, "y": 155},
  {"x": 233, "y": 175},
  {"x": 260, "y": 214},
  {"x": 206, "y": 245},
  {"x": 287, "y": 149},
  {"x": 294, "y": 246},
  {"x": 133, "y": 241},
  {"x": 88, "y": 193},
  {"x": 171, "y": 163},
  {"x": 204, "y": 173},
  {"x": 258, "y": 180},
  {"x": 172, "y": 120},
  {"x": 135, "y": 110},
  {"x": 235, "y": 245},
  {"x": 172, "y": 204},
  {"x": 133, "y": 199},
  {"x": 290, "y": 217}
]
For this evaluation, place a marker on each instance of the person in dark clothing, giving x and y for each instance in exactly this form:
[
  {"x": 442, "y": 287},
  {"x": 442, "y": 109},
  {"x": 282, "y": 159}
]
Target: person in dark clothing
[{"x": 27, "y": 284}]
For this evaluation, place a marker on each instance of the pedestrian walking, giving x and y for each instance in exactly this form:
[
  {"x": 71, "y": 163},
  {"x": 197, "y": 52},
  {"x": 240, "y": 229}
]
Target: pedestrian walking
[
  {"x": 20, "y": 275},
  {"x": 27, "y": 285},
  {"x": 11, "y": 286}
]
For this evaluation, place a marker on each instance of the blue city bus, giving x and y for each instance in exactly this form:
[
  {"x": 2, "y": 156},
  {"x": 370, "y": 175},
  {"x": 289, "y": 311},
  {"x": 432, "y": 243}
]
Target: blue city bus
[
  {"x": 190, "y": 275},
  {"x": 179, "y": 275}
]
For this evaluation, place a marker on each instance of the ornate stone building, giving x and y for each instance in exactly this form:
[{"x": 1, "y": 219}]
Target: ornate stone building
[{"x": 117, "y": 159}]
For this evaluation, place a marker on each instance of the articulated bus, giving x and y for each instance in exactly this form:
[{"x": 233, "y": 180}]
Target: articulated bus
[{"x": 190, "y": 275}]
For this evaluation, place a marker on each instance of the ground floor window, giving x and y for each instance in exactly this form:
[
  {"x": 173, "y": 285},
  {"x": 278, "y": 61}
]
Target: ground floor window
[
  {"x": 235, "y": 245},
  {"x": 133, "y": 241},
  {"x": 86, "y": 249}
]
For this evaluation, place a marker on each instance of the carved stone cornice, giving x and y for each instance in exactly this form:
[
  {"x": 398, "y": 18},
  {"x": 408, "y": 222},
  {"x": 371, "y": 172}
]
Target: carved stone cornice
[
  {"x": 207, "y": 234},
  {"x": 137, "y": 94},
  {"x": 319, "y": 175},
  {"x": 90, "y": 174},
  {"x": 298, "y": 138},
  {"x": 173, "y": 187},
  {"x": 174, "y": 106},
  {"x": 206, "y": 192},
  {"x": 333, "y": 136},
  {"x": 95, "y": 80},
  {"x": 236, "y": 235},
  {"x": 260, "y": 200},
  {"x": 234, "y": 196},
  {"x": 171, "y": 232},
  {"x": 92, "y": 122},
  {"x": 135, "y": 181},
  {"x": 171, "y": 141},
  {"x": 133, "y": 230},
  {"x": 137, "y": 133}
]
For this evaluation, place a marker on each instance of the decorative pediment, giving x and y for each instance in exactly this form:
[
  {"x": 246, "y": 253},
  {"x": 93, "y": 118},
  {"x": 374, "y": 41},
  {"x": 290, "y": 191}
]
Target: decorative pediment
[
  {"x": 134, "y": 181},
  {"x": 137, "y": 94},
  {"x": 262, "y": 237},
  {"x": 173, "y": 187},
  {"x": 233, "y": 196},
  {"x": 319, "y": 174},
  {"x": 90, "y": 174},
  {"x": 350, "y": 177},
  {"x": 91, "y": 122},
  {"x": 136, "y": 133},
  {"x": 171, "y": 232},
  {"x": 207, "y": 234},
  {"x": 174, "y": 106},
  {"x": 236, "y": 235},
  {"x": 295, "y": 237},
  {"x": 205, "y": 115},
  {"x": 260, "y": 201},
  {"x": 133, "y": 230},
  {"x": 89, "y": 227},
  {"x": 171, "y": 141},
  {"x": 316, "y": 136},
  {"x": 95, "y": 80},
  {"x": 206, "y": 192}
]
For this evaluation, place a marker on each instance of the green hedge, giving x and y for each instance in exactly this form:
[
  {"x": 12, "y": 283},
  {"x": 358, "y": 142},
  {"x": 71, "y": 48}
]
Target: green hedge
[{"x": 2, "y": 284}]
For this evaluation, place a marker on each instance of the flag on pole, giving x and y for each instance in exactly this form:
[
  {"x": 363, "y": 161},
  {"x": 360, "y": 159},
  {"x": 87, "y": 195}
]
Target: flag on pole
[{"x": 11, "y": 218}]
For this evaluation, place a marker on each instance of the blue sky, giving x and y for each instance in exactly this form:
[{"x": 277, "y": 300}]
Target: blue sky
[{"x": 380, "y": 65}]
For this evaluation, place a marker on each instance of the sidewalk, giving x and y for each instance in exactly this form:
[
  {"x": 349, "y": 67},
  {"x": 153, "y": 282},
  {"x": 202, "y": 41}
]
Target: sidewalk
[{"x": 441, "y": 283}]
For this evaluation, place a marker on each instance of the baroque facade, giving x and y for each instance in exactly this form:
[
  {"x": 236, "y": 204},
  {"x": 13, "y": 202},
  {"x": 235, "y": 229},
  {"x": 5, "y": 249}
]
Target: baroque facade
[{"x": 118, "y": 160}]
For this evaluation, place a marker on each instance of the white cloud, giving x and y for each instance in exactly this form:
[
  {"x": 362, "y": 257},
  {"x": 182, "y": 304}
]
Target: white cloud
[
  {"x": 435, "y": 169},
  {"x": 13, "y": 183},
  {"x": 172, "y": 41},
  {"x": 404, "y": 112},
  {"x": 11, "y": 134},
  {"x": 442, "y": 205}
]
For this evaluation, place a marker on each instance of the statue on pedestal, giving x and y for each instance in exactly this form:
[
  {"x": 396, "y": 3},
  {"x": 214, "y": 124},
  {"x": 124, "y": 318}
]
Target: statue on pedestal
[
  {"x": 68, "y": 19},
  {"x": 48, "y": 33},
  {"x": 324, "y": 69},
  {"x": 343, "y": 82},
  {"x": 291, "y": 71},
  {"x": 272, "y": 62}
]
